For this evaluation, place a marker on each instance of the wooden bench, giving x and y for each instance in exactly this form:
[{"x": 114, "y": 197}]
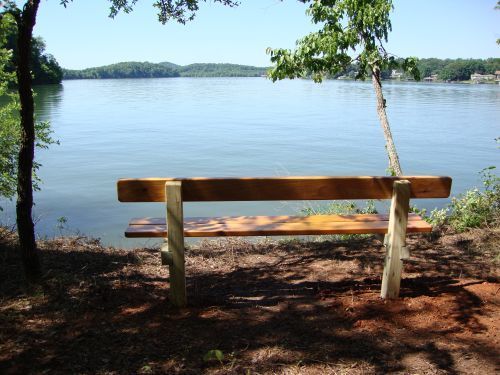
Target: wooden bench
[{"x": 175, "y": 191}]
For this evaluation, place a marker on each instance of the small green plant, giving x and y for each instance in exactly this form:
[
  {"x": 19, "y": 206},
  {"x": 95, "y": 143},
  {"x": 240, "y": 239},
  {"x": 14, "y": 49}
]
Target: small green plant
[
  {"x": 61, "y": 224},
  {"x": 146, "y": 369},
  {"x": 438, "y": 217},
  {"x": 214, "y": 355},
  {"x": 419, "y": 211},
  {"x": 369, "y": 207}
]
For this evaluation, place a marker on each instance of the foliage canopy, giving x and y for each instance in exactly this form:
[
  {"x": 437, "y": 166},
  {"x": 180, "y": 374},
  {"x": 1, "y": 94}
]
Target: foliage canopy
[
  {"x": 44, "y": 67},
  {"x": 181, "y": 11},
  {"x": 10, "y": 127},
  {"x": 352, "y": 31}
]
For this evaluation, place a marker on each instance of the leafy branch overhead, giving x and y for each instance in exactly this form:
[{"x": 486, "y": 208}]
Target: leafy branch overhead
[
  {"x": 10, "y": 127},
  {"x": 498, "y": 8},
  {"x": 181, "y": 11},
  {"x": 352, "y": 31}
]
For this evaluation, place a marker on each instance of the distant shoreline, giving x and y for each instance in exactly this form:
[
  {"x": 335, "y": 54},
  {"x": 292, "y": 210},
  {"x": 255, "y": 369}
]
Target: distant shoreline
[
  {"x": 164, "y": 70},
  {"x": 264, "y": 76},
  {"x": 465, "y": 71}
]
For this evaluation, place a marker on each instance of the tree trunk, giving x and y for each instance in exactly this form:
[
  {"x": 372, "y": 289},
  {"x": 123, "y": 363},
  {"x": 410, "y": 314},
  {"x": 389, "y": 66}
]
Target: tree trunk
[
  {"x": 389, "y": 142},
  {"x": 26, "y": 229}
]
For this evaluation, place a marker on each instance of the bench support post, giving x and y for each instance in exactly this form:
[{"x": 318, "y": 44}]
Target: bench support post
[
  {"x": 395, "y": 239},
  {"x": 175, "y": 241}
]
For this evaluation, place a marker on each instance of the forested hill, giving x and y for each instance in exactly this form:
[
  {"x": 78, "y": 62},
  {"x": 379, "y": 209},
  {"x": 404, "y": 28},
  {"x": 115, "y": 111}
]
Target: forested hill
[
  {"x": 164, "y": 69},
  {"x": 123, "y": 70},
  {"x": 221, "y": 70}
]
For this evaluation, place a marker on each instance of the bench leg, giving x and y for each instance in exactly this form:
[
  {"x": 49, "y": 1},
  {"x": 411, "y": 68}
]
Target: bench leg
[
  {"x": 395, "y": 239},
  {"x": 175, "y": 243}
]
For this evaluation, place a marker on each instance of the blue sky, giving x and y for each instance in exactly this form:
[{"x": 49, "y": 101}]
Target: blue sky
[{"x": 82, "y": 35}]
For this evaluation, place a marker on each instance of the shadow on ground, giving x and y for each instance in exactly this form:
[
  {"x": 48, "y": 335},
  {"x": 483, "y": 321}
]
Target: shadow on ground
[{"x": 269, "y": 308}]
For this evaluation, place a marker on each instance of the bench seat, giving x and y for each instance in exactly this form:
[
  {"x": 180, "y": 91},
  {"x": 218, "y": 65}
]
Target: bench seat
[{"x": 274, "y": 225}]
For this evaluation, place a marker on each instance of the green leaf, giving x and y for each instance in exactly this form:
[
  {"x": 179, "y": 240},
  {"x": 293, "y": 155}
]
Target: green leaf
[{"x": 213, "y": 355}]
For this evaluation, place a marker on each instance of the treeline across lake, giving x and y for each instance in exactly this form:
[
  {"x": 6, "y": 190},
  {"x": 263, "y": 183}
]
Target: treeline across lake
[
  {"x": 446, "y": 70},
  {"x": 442, "y": 70},
  {"x": 457, "y": 69},
  {"x": 164, "y": 70}
]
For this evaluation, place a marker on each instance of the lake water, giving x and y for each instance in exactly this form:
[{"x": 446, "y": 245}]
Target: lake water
[{"x": 183, "y": 127}]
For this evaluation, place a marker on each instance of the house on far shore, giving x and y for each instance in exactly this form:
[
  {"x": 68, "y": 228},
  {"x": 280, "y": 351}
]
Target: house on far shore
[
  {"x": 497, "y": 75},
  {"x": 396, "y": 75},
  {"x": 481, "y": 78},
  {"x": 431, "y": 78}
]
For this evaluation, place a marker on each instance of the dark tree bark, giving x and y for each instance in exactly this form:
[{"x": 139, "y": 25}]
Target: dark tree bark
[
  {"x": 25, "y": 20},
  {"x": 384, "y": 122}
]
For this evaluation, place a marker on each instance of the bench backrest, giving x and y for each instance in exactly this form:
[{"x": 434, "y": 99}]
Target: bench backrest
[{"x": 281, "y": 188}]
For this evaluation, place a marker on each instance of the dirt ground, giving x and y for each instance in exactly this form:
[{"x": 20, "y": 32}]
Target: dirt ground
[{"x": 285, "y": 307}]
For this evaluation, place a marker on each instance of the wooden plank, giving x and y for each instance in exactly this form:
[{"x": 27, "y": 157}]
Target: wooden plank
[
  {"x": 269, "y": 226},
  {"x": 395, "y": 241},
  {"x": 272, "y": 219},
  {"x": 175, "y": 221},
  {"x": 281, "y": 188}
]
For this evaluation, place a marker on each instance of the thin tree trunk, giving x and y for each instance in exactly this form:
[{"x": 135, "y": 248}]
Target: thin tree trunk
[
  {"x": 26, "y": 229},
  {"x": 389, "y": 142}
]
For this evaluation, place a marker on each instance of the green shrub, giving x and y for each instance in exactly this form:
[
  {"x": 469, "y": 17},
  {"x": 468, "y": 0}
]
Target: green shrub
[
  {"x": 469, "y": 210},
  {"x": 477, "y": 208},
  {"x": 474, "y": 208}
]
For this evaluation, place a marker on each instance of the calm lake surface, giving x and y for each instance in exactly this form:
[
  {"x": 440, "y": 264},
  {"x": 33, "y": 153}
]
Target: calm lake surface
[{"x": 184, "y": 127}]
